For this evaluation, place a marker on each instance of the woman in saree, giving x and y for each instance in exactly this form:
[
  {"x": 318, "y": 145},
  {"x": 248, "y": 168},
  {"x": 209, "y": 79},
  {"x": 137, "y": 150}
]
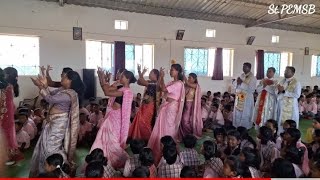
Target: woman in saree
[
  {"x": 60, "y": 133},
  {"x": 191, "y": 122},
  {"x": 113, "y": 133},
  {"x": 141, "y": 126},
  {"x": 9, "y": 89},
  {"x": 169, "y": 117}
]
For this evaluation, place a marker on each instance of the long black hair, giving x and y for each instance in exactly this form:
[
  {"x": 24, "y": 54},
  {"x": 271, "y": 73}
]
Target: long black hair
[
  {"x": 209, "y": 150},
  {"x": 12, "y": 75},
  {"x": 275, "y": 125},
  {"x": 76, "y": 84},
  {"x": 129, "y": 75},
  {"x": 56, "y": 160},
  {"x": 3, "y": 82},
  {"x": 156, "y": 72},
  {"x": 96, "y": 156},
  {"x": 266, "y": 134},
  {"x": 178, "y": 68}
]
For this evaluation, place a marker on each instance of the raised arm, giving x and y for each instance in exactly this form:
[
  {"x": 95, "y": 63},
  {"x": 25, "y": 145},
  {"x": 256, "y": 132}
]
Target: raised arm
[
  {"x": 162, "y": 86},
  {"x": 192, "y": 85},
  {"x": 51, "y": 83},
  {"x": 104, "y": 83},
  {"x": 141, "y": 81}
]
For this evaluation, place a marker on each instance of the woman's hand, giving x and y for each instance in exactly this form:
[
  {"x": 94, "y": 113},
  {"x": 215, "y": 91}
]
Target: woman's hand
[
  {"x": 162, "y": 73},
  {"x": 101, "y": 76},
  {"x": 43, "y": 80},
  {"x": 36, "y": 82}
]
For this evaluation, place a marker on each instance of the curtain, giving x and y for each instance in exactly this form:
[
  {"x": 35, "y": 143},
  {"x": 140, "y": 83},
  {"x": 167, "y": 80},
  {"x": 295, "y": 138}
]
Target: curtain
[
  {"x": 218, "y": 66},
  {"x": 119, "y": 56},
  {"x": 260, "y": 64}
]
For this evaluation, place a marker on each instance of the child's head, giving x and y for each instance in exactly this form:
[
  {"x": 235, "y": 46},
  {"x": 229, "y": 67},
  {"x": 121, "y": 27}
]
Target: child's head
[
  {"x": 292, "y": 136},
  {"x": 234, "y": 139},
  {"x": 232, "y": 167},
  {"x": 94, "y": 170},
  {"x": 23, "y": 116},
  {"x": 250, "y": 157},
  {"x": 203, "y": 101},
  {"x": 209, "y": 93},
  {"x": 54, "y": 164},
  {"x": 282, "y": 168},
  {"x": 229, "y": 128},
  {"x": 209, "y": 149},
  {"x": 96, "y": 155},
  {"x": 316, "y": 135},
  {"x": 188, "y": 172},
  {"x": 289, "y": 124},
  {"x": 316, "y": 123},
  {"x": 167, "y": 141},
  {"x": 189, "y": 141},
  {"x": 318, "y": 99},
  {"x": 138, "y": 95},
  {"x": 95, "y": 107},
  {"x": 82, "y": 118},
  {"x": 141, "y": 172},
  {"x": 265, "y": 134},
  {"x": 309, "y": 98},
  {"x": 18, "y": 125},
  {"x": 146, "y": 157},
  {"x": 170, "y": 154},
  {"x": 273, "y": 125},
  {"x": 293, "y": 154},
  {"x": 38, "y": 112},
  {"x": 137, "y": 146},
  {"x": 227, "y": 108},
  {"x": 220, "y": 135},
  {"x": 245, "y": 135},
  {"x": 215, "y": 107}
]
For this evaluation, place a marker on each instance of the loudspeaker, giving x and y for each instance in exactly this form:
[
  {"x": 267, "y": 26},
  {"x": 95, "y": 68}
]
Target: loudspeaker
[
  {"x": 250, "y": 40},
  {"x": 77, "y": 33},
  {"x": 89, "y": 80},
  {"x": 180, "y": 34}
]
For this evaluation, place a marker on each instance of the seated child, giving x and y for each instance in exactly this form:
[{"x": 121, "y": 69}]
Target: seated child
[
  {"x": 23, "y": 139},
  {"x": 141, "y": 172},
  {"x": 246, "y": 140},
  {"x": 227, "y": 115},
  {"x": 27, "y": 126},
  {"x": 204, "y": 109},
  {"x": 213, "y": 164},
  {"x": 310, "y": 131},
  {"x": 215, "y": 119},
  {"x": 233, "y": 167},
  {"x": 273, "y": 125},
  {"x": 188, "y": 172},
  {"x": 267, "y": 148},
  {"x": 233, "y": 144},
  {"x": 292, "y": 137},
  {"x": 250, "y": 158},
  {"x": 101, "y": 121},
  {"x": 170, "y": 168},
  {"x": 55, "y": 168},
  {"x": 147, "y": 160},
  {"x": 85, "y": 130},
  {"x": 308, "y": 108},
  {"x": 282, "y": 168},
  {"x": 220, "y": 140},
  {"x": 96, "y": 115},
  {"x": 189, "y": 156},
  {"x": 294, "y": 155},
  {"x": 94, "y": 170},
  {"x": 133, "y": 162},
  {"x": 97, "y": 156}
]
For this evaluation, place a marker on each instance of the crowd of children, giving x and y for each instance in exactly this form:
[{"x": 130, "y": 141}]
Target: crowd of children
[{"x": 232, "y": 152}]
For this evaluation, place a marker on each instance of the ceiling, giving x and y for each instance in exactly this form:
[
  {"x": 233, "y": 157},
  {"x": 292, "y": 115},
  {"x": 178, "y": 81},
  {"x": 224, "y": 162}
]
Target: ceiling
[{"x": 250, "y": 13}]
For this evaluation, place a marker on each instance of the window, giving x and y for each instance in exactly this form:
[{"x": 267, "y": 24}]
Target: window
[
  {"x": 201, "y": 61},
  {"x": 315, "y": 66},
  {"x": 277, "y": 60},
  {"x": 275, "y": 39},
  {"x": 211, "y": 33},
  {"x": 20, "y": 52},
  {"x": 100, "y": 54},
  {"x": 121, "y": 25}
]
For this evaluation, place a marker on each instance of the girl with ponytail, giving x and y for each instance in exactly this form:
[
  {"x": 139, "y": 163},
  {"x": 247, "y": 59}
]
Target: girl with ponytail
[
  {"x": 170, "y": 113},
  {"x": 55, "y": 168}
]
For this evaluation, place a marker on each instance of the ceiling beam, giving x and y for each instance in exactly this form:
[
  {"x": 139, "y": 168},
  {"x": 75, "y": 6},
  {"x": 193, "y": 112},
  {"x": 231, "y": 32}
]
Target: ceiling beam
[
  {"x": 273, "y": 21},
  {"x": 189, "y": 14}
]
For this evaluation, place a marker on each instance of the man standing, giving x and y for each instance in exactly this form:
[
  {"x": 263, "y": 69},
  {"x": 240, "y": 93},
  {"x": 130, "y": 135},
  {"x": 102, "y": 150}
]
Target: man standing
[
  {"x": 244, "y": 102},
  {"x": 267, "y": 99},
  {"x": 288, "y": 90}
]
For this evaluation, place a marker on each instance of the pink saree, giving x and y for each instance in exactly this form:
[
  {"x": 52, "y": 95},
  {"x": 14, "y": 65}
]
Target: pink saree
[
  {"x": 113, "y": 133},
  {"x": 168, "y": 120},
  {"x": 191, "y": 122},
  {"x": 7, "y": 117}
]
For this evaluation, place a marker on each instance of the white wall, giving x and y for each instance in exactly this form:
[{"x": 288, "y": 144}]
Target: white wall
[{"x": 53, "y": 24}]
